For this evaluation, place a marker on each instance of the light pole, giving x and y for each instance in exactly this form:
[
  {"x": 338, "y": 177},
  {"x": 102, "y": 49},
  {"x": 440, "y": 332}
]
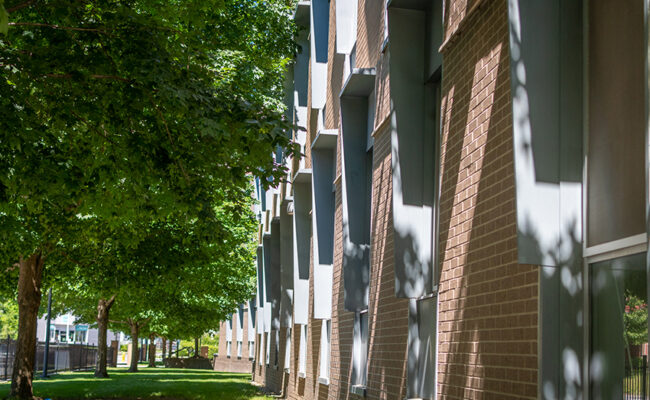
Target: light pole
[{"x": 47, "y": 333}]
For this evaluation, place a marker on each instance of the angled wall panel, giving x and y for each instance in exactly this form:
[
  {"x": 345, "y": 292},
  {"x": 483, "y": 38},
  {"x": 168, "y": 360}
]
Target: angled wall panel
[
  {"x": 251, "y": 320},
  {"x": 275, "y": 279},
  {"x": 412, "y": 211},
  {"x": 319, "y": 32},
  {"x": 346, "y": 25},
  {"x": 356, "y": 178},
  {"x": 301, "y": 250},
  {"x": 546, "y": 41},
  {"x": 229, "y": 328},
  {"x": 240, "y": 324},
  {"x": 323, "y": 198},
  {"x": 286, "y": 260}
]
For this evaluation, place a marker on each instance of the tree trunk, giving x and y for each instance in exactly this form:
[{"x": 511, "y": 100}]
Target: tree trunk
[
  {"x": 170, "y": 348},
  {"x": 196, "y": 347},
  {"x": 103, "y": 308},
  {"x": 29, "y": 300},
  {"x": 152, "y": 351},
  {"x": 164, "y": 348},
  {"x": 135, "y": 354}
]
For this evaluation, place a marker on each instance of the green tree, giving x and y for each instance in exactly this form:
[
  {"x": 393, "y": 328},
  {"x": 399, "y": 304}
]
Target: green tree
[
  {"x": 127, "y": 110},
  {"x": 8, "y": 319},
  {"x": 635, "y": 320}
]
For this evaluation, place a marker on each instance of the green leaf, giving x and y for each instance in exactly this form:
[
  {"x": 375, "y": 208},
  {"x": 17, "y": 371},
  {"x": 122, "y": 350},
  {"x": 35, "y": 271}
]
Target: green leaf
[{"x": 4, "y": 19}]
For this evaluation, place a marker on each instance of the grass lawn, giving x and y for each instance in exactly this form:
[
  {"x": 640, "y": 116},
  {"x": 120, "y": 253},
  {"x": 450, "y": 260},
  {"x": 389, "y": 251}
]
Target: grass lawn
[{"x": 167, "y": 383}]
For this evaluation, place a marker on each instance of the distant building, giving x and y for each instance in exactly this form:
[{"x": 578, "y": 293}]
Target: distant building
[
  {"x": 236, "y": 342},
  {"x": 64, "y": 329}
]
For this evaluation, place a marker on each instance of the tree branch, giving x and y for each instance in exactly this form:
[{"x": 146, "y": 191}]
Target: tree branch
[
  {"x": 110, "y": 301},
  {"x": 93, "y": 76},
  {"x": 65, "y": 28},
  {"x": 19, "y": 6}
]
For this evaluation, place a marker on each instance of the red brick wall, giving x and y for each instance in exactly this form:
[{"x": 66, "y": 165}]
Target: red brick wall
[
  {"x": 488, "y": 303},
  {"x": 232, "y": 364}
]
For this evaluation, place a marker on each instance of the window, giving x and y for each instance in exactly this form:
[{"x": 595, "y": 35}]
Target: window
[
  {"x": 421, "y": 348},
  {"x": 302, "y": 354},
  {"x": 360, "y": 353},
  {"x": 251, "y": 350},
  {"x": 260, "y": 350},
  {"x": 228, "y": 348},
  {"x": 239, "y": 348},
  {"x": 268, "y": 347},
  {"x": 276, "y": 348},
  {"x": 325, "y": 341},
  {"x": 619, "y": 331},
  {"x": 287, "y": 351}
]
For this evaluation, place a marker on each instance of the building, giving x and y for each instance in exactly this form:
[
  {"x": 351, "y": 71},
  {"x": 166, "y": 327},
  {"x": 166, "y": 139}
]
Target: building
[
  {"x": 64, "y": 329},
  {"x": 236, "y": 342},
  {"x": 469, "y": 219}
]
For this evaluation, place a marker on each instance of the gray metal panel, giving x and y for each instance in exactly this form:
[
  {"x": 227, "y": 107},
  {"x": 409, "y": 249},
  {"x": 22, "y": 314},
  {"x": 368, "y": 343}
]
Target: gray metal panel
[
  {"x": 360, "y": 83},
  {"x": 323, "y": 230},
  {"x": 260, "y": 277},
  {"x": 421, "y": 344},
  {"x": 616, "y": 148},
  {"x": 546, "y": 80},
  {"x": 266, "y": 252},
  {"x": 301, "y": 13},
  {"x": 434, "y": 34},
  {"x": 301, "y": 251},
  {"x": 325, "y": 139},
  {"x": 356, "y": 223},
  {"x": 240, "y": 324},
  {"x": 252, "y": 311},
  {"x": 323, "y": 206},
  {"x": 275, "y": 289},
  {"x": 412, "y": 211},
  {"x": 286, "y": 258}
]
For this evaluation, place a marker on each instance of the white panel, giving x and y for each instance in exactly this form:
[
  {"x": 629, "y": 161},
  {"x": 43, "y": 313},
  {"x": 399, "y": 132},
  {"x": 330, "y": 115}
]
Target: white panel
[
  {"x": 229, "y": 328},
  {"x": 346, "y": 25},
  {"x": 324, "y": 368},
  {"x": 323, "y": 283},
  {"x": 251, "y": 321},
  {"x": 267, "y": 317},
  {"x": 301, "y": 252},
  {"x": 240, "y": 326},
  {"x": 318, "y": 45},
  {"x": 259, "y": 317}
]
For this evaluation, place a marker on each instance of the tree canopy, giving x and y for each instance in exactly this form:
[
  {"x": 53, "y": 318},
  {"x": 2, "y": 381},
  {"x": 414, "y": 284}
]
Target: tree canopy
[{"x": 130, "y": 114}]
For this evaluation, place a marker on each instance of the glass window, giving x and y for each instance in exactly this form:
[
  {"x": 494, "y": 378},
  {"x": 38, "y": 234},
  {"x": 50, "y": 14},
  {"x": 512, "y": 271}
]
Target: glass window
[
  {"x": 239, "y": 348},
  {"x": 251, "y": 349},
  {"x": 619, "y": 328},
  {"x": 228, "y": 348},
  {"x": 287, "y": 351},
  {"x": 422, "y": 341},
  {"x": 325, "y": 350},
  {"x": 360, "y": 349},
  {"x": 616, "y": 121},
  {"x": 268, "y": 347},
  {"x": 302, "y": 355}
]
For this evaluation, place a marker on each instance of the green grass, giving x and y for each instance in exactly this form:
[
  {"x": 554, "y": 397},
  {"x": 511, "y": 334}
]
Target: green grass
[{"x": 168, "y": 383}]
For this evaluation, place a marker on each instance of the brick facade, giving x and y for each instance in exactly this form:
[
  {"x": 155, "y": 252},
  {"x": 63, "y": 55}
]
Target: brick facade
[
  {"x": 487, "y": 320},
  {"x": 224, "y": 362}
]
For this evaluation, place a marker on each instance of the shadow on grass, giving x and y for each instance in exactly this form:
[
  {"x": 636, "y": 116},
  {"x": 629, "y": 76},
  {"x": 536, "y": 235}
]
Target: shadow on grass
[{"x": 148, "y": 384}]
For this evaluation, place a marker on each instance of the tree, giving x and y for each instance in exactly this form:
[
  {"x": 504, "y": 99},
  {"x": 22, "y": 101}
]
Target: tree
[
  {"x": 125, "y": 109},
  {"x": 8, "y": 319}
]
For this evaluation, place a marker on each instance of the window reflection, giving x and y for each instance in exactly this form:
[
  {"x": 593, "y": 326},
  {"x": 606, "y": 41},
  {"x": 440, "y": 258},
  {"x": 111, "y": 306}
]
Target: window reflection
[{"x": 619, "y": 334}]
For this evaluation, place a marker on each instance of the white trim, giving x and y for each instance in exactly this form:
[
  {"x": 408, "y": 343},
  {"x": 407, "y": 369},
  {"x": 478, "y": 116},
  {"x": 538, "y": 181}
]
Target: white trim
[{"x": 630, "y": 243}]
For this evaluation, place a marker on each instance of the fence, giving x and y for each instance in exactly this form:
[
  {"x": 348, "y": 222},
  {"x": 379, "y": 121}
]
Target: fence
[
  {"x": 61, "y": 357},
  {"x": 635, "y": 383}
]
